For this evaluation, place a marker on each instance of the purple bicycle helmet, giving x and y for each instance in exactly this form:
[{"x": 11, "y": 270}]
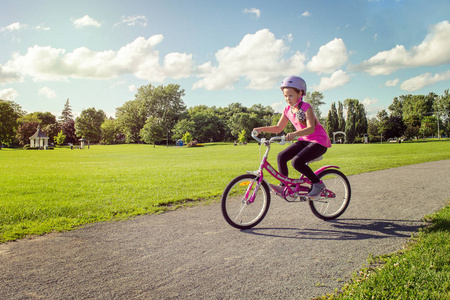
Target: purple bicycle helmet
[{"x": 294, "y": 82}]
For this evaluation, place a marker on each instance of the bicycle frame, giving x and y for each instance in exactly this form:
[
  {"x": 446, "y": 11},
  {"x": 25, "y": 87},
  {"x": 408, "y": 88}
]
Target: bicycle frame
[{"x": 294, "y": 187}]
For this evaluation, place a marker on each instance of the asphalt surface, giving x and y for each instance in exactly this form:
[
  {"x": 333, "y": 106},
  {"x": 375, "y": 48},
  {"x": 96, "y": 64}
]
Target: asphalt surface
[{"x": 193, "y": 253}]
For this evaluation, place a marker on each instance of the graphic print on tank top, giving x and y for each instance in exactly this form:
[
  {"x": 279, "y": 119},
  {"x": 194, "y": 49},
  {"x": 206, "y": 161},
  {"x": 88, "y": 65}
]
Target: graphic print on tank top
[{"x": 301, "y": 116}]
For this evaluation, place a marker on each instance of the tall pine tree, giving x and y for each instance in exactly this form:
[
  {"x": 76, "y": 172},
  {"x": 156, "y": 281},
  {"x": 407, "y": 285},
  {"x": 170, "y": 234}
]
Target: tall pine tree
[
  {"x": 341, "y": 119},
  {"x": 66, "y": 114},
  {"x": 332, "y": 120},
  {"x": 68, "y": 124}
]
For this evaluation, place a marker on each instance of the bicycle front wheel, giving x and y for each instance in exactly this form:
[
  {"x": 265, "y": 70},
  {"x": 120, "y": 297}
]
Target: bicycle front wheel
[
  {"x": 238, "y": 209},
  {"x": 336, "y": 197}
]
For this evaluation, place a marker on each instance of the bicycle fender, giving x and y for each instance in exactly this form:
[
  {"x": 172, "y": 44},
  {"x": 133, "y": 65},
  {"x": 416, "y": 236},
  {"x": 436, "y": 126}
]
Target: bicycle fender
[{"x": 325, "y": 167}]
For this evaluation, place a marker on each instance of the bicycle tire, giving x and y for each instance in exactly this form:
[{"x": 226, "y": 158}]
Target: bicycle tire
[
  {"x": 235, "y": 208},
  {"x": 327, "y": 208}
]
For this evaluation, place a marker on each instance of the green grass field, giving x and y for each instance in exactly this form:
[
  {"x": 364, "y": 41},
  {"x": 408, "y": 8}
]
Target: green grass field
[
  {"x": 421, "y": 271},
  {"x": 61, "y": 189},
  {"x": 57, "y": 190}
]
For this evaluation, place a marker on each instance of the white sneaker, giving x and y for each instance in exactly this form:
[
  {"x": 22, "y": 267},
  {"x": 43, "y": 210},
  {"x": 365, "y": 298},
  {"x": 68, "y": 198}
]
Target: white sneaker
[{"x": 316, "y": 190}]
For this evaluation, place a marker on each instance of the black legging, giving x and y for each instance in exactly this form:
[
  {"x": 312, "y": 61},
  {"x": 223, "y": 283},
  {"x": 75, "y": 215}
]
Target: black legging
[{"x": 300, "y": 152}]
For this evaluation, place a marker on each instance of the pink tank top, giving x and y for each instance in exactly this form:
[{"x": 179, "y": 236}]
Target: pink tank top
[{"x": 319, "y": 136}]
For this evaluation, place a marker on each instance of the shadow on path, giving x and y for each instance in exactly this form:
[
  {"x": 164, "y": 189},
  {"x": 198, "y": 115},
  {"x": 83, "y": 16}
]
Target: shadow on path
[{"x": 346, "y": 229}]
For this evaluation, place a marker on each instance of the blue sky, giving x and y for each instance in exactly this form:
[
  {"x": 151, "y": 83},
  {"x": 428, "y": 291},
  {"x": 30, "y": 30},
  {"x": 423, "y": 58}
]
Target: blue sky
[{"x": 98, "y": 52}]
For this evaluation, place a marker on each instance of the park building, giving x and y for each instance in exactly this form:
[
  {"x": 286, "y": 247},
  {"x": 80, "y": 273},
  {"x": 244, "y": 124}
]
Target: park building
[{"x": 39, "y": 139}]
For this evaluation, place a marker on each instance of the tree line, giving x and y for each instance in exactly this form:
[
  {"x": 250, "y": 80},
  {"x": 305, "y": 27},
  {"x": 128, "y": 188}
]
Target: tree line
[{"x": 158, "y": 115}]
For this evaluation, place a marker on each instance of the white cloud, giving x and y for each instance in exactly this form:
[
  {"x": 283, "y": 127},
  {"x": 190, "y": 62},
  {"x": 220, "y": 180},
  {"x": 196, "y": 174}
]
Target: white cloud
[
  {"x": 306, "y": 14},
  {"x": 368, "y": 102},
  {"x": 85, "y": 22},
  {"x": 392, "y": 82},
  {"x": 253, "y": 12},
  {"x": 288, "y": 38},
  {"x": 278, "y": 107},
  {"x": 18, "y": 26},
  {"x": 432, "y": 51},
  {"x": 330, "y": 57},
  {"x": 14, "y": 27},
  {"x": 118, "y": 83},
  {"x": 133, "y": 21},
  {"x": 423, "y": 80},
  {"x": 8, "y": 94},
  {"x": 132, "y": 88},
  {"x": 7, "y": 75},
  {"x": 138, "y": 58},
  {"x": 372, "y": 107},
  {"x": 47, "y": 92},
  {"x": 259, "y": 58},
  {"x": 337, "y": 79},
  {"x": 42, "y": 27}
]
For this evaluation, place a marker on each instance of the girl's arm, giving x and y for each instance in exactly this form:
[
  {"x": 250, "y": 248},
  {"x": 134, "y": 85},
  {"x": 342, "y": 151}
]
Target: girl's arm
[
  {"x": 309, "y": 129},
  {"x": 276, "y": 128}
]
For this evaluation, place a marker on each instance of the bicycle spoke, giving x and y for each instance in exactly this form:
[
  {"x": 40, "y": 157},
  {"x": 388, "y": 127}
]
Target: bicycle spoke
[
  {"x": 236, "y": 206},
  {"x": 335, "y": 199}
]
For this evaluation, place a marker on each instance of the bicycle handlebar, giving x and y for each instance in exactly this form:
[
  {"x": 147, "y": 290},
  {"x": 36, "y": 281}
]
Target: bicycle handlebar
[{"x": 273, "y": 139}]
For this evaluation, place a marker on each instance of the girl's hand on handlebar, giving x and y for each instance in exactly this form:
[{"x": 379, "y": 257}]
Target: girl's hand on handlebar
[
  {"x": 256, "y": 130},
  {"x": 290, "y": 136}
]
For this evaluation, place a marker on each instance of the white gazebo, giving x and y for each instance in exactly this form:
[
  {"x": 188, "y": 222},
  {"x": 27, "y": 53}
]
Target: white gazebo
[{"x": 39, "y": 139}]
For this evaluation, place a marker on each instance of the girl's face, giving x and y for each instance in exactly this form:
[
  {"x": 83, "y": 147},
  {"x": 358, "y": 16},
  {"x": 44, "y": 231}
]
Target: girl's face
[{"x": 291, "y": 96}]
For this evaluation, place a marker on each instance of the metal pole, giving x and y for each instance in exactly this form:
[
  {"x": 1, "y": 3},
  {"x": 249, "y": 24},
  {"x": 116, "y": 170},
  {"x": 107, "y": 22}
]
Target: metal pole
[{"x": 439, "y": 135}]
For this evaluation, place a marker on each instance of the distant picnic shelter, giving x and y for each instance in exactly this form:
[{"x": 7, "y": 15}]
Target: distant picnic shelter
[{"x": 39, "y": 139}]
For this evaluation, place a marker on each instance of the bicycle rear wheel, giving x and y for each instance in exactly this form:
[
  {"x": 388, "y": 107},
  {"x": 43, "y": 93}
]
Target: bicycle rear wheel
[
  {"x": 332, "y": 206},
  {"x": 236, "y": 208}
]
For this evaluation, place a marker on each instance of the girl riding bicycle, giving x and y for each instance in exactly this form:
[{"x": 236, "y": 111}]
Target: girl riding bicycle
[{"x": 312, "y": 141}]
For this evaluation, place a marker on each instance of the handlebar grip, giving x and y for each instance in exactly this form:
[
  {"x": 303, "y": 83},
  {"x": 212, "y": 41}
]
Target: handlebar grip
[{"x": 254, "y": 135}]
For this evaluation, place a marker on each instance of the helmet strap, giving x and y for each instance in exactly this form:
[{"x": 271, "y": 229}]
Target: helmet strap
[{"x": 298, "y": 102}]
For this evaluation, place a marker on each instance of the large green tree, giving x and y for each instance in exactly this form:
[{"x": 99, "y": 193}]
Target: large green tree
[
  {"x": 208, "y": 125},
  {"x": 428, "y": 126},
  {"x": 182, "y": 127},
  {"x": 383, "y": 123},
  {"x": 332, "y": 124},
  {"x": 131, "y": 117},
  {"x": 356, "y": 123},
  {"x": 242, "y": 121},
  {"x": 25, "y": 131},
  {"x": 396, "y": 108},
  {"x": 152, "y": 131},
  {"x": 416, "y": 107},
  {"x": 315, "y": 99},
  {"x": 396, "y": 127},
  {"x": 164, "y": 103},
  {"x": 88, "y": 124},
  {"x": 442, "y": 111},
  {"x": 69, "y": 131},
  {"x": 109, "y": 131},
  {"x": 8, "y": 122}
]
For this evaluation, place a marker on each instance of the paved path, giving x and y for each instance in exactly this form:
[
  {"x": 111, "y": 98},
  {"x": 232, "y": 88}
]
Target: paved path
[{"x": 194, "y": 254}]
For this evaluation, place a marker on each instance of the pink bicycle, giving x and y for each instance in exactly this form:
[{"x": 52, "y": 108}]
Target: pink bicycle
[{"x": 246, "y": 199}]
